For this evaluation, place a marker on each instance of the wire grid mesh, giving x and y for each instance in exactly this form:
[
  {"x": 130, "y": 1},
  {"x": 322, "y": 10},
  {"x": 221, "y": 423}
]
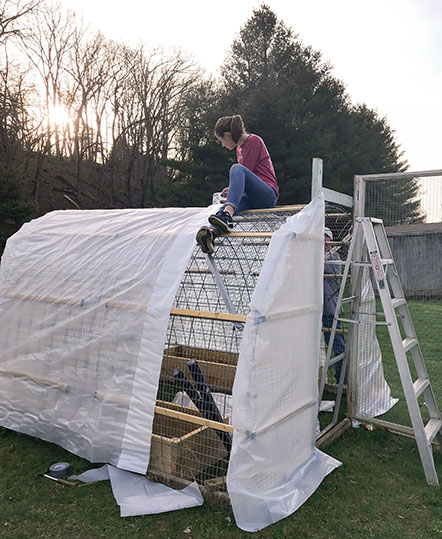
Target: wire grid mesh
[
  {"x": 215, "y": 343},
  {"x": 64, "y": 319},
  {"x": 340, "y": 221},
  {"x": 411, "y": 209}
]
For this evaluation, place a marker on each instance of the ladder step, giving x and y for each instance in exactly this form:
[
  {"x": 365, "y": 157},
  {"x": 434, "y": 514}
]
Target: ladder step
[
  {"x": 420, "y": 385},
  {"x": 408, "y": 344},
  {"x": 432, "y": 428},
  {"x": 397, "y": 302},
  {"x": 347, "y": 300},
  {"x": 383, "y": 267},
  {"x": 348, "y": 320},
  {"x": 337, "y": 358}
]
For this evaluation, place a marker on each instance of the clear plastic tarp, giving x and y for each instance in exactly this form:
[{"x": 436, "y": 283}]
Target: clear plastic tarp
[
  {"x": 136, "y": 495},
  {"x": 274, "y": 466},
  {"x": 373, "y": 395},
  {"x": 85, "y": 298}
]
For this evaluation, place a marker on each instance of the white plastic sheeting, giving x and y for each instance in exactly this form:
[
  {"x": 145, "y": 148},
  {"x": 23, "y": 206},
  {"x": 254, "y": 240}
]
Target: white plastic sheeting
[
  {"x": 136, "y": 495},
  {"x": 373, "y": 394},
  {"x": 85, "y": 298},
  {"x": 274, "y": 465}
]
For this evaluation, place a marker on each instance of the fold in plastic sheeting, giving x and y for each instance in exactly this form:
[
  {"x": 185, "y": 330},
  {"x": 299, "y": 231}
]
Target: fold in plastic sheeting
[
  {"x": 136, "y": 495},
  {"x": 274, "y": 465},
  {"x": 373, "y": 395},
  {"x": 85, "y": 298}
]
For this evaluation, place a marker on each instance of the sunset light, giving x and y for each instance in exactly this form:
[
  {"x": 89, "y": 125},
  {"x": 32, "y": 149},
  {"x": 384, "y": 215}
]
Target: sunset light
[{"x": 58, "y": 115}]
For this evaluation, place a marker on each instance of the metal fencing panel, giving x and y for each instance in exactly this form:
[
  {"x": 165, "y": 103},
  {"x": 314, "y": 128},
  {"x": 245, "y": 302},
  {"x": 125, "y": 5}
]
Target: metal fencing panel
[{"x": 410, "y": 205}]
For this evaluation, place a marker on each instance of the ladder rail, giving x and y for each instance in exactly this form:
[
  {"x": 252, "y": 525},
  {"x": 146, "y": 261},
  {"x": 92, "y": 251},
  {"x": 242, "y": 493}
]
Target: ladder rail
[
  {"x": 378, "y": 247},
  {"x": 370, "y": 248},
  {"x": 328, "y": 361},
  {"x": 335, "y": 323}
]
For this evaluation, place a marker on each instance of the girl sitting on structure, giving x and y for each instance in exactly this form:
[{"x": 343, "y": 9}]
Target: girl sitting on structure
[{"x": 252, "y": 181}]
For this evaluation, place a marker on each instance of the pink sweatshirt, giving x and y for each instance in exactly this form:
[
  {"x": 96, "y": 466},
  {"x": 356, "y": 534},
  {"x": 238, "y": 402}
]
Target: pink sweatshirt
[{"x": 254, "y": 155}]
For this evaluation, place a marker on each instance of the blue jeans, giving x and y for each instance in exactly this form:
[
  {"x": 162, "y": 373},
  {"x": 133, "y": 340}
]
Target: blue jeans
[
  {"x": 247, "y": 191},
  {"x": 338, "y": 343}
]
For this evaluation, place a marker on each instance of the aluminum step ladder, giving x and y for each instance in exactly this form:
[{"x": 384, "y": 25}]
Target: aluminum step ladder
[{"x": 379, "y": 256}]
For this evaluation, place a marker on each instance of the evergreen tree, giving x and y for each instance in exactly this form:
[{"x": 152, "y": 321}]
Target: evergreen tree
[
  {"x": 288, "y": 95},
  {"x": 201, "y": 165},
  {"x": 14, "y": 209}
]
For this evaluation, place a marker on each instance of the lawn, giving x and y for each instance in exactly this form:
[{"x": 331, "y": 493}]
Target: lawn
[{"x": 378, "y": 492}]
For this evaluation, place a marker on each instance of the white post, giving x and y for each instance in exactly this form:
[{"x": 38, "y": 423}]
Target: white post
[
  {"x": 359, "y": 196},
  {"x": 353, "y": 336},
  {"x": 316, "y": 176}
]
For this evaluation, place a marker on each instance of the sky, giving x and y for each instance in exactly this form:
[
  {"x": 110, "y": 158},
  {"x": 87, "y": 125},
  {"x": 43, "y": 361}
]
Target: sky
[{"x": 388, "y": 53}]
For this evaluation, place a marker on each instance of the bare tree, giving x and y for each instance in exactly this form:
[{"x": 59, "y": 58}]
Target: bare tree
[
  {"x": 149, "y": 114},
  {"x": 12, "y": 14},
  {"x": 47, "y": 47},
  {"x": 90, "y": 70},
  {"x": 17, "y": 96},
  {"x": 17, "y": 127},
  {"x": 126, "y": 104}
]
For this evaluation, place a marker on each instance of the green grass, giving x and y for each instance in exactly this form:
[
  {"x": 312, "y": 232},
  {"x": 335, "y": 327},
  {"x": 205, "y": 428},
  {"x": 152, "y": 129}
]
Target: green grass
[
  {"x": 379, "y": 491},
  {"x": 427, "y": 320}
]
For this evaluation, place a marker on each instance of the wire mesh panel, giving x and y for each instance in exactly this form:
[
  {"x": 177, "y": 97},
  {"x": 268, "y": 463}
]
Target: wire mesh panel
[
  {"x": 411, "y": 209},
  {"x": 410, "y": 205},
  {"x": 198, "y": 338},
  {"x": 340, "y": 221},
  {"x": 197, "y": 333},
  {"x": 84, "y": 306}
]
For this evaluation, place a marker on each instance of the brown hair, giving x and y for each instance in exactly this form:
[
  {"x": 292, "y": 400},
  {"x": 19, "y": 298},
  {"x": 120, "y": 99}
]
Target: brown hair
[{"x": 230, "y": 124}]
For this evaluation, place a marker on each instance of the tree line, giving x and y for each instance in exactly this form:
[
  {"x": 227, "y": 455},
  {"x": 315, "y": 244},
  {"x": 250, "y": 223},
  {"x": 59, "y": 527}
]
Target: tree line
[{"x": 89, "y": 122}]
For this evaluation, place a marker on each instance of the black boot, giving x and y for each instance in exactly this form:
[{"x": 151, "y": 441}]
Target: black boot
[{"x": 205, "y": 238}]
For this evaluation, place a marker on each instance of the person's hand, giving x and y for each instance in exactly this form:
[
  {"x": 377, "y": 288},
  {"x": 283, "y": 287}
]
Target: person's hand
[{"x": 224, "y": 193}]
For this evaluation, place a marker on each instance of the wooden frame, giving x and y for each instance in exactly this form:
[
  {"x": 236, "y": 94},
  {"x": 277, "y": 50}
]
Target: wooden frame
[{"x": 219, "y": 368}]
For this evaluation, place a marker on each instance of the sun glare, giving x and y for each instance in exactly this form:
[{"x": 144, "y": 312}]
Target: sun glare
[{"x": 58, "y": 115}]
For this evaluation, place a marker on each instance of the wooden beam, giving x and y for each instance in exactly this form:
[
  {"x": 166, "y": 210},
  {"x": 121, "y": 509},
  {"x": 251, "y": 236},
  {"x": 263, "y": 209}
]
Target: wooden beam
[
  {"x": 343, "y": 331},
  {"x": 296, "y": 207},
  {"x": 207, "y": 271},
  {"x": 197, "y": 420},
  {"x": 47, "y": 299},
  {"x": 394, "y": 428},
  {"x": 210, "y": 493},
  {"x": 334, "y": 433},
  {"x": 401, "y": 175},
  {"x": 208, "y": 315},
  {"x": 36, "y": 380},
  {"x": 337, "y": 198},
  {"x": 247, "y": 235}
]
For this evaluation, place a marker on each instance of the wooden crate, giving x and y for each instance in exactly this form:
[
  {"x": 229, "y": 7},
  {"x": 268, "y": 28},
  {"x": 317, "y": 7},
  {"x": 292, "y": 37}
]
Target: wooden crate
[
  {"x": 219, "y": 368},
  {"x": 181, "y": 448}
]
